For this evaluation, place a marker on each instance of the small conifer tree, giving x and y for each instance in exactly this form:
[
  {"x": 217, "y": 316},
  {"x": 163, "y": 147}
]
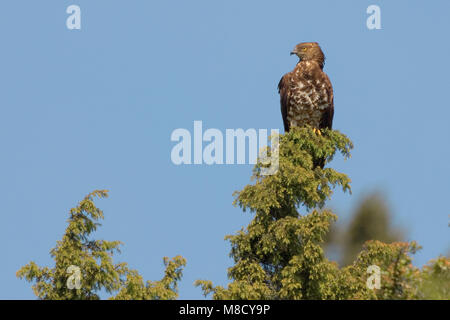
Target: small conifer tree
[{"x": 84, "y": 267}]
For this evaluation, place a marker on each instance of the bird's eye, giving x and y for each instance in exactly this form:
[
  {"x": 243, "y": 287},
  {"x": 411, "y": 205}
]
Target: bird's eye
[{"x": 304, "y": 49}]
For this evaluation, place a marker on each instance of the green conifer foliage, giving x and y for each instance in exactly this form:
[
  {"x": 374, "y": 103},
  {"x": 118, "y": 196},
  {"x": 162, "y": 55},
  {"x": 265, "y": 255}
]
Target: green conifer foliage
[
  {"x": 93, "y": 260},
  {"x": 372, "y": 220},
  {"x": 279, "y": 255}
]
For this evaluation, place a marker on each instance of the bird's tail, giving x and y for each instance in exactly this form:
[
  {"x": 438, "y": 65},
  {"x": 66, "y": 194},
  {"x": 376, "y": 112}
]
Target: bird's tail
[{"x": 319, "y": 163}]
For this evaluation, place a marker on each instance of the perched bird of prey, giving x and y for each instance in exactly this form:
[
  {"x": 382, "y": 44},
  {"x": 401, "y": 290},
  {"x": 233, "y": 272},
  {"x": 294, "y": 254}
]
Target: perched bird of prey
[{"x": 306, "y": 94}]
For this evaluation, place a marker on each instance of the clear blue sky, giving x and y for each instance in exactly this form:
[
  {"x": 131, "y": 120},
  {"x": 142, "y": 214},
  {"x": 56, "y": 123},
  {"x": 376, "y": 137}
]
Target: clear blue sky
[{"x": 95, "y": 108}]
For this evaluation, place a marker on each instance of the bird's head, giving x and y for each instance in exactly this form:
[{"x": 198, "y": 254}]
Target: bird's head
[{"x": 309, "y": 51}]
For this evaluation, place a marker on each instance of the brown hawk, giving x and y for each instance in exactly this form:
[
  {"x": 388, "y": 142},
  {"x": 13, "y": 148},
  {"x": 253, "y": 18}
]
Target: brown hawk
[{"x": 306, "y": 94}]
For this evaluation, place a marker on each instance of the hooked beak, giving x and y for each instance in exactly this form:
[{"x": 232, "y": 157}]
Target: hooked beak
[{"x": 293, "y": 52}]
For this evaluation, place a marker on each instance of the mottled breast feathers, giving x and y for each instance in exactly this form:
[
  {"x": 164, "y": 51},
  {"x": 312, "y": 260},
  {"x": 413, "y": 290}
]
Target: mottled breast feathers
[{"x": 306, "y": 97}]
